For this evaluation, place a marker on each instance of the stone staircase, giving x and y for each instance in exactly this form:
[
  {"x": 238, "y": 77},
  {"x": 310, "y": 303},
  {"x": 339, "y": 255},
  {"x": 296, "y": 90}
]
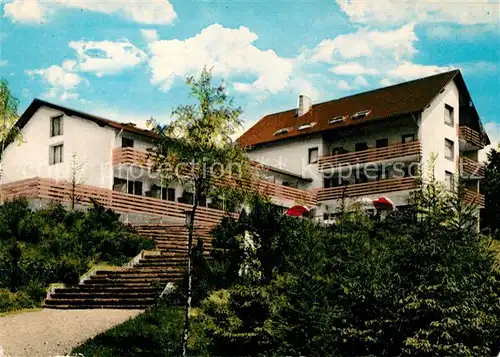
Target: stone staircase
[{"x": 139, "y": 284}]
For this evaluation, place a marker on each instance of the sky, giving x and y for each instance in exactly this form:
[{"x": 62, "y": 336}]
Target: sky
[{"x": 128, "y": 60}]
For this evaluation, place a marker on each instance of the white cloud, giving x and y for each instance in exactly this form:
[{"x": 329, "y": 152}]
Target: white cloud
[
  {"x": 408, "y": 71},
  {"x": 61, "y": 82},
  {"x": 3, "y": 63},
  {"x": 158, "y": 12},
  {"x": 150, "y": 35},
  {"x": 365, "y": 43},
  {"x": 25, "y": 11},
  {"x": 230, "y": 52},
  {"x": 386, "y": 82},
  {"x": 493, "y": 131},
  {"x": 106, "y": 57},
  {"x": 387, "y": 12},
  {"x": 352, "y": 69},
  {"x": 57, "y": 76},
  {"x": 343, "y": 85},
  {"x": 361, "y": 81}
]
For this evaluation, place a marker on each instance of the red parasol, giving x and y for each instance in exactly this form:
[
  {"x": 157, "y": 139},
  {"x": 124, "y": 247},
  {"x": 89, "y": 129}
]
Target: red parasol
[
  {"x": 297, "y": 211},
  {"x": 383, "y": 202}
]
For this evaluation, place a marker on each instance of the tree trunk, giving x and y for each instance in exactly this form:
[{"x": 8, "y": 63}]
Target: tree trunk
[{"x": 187, "y": 306}]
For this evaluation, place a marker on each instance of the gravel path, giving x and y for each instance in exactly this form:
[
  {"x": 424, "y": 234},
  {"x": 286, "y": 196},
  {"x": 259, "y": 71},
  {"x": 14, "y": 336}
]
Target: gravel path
[{"x": 49, "y": 333}]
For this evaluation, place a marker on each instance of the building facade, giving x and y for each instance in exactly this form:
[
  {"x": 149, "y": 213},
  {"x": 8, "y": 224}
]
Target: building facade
[
  {"x": 355, "y": 148},
  {"x": 372, "y": 144}
]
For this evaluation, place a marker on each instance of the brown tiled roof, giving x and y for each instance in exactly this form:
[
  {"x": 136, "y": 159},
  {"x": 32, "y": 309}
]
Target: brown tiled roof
[
  {"x": 38, "y": 103},
  {"x": 384, "y": 103}
]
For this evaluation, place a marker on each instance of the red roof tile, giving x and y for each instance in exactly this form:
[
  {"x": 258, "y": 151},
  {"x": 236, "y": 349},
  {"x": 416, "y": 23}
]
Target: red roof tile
[{"x": 383, "y": 103}]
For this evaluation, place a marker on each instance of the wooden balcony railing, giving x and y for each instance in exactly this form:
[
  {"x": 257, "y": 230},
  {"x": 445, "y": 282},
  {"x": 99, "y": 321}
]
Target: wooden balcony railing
[
  {"x": 470, "y": 168},
  {"x": 370, "y": 155},
  {"x": 139, "y": 158},
  {"x": 117, "y": 201},
  {"x": 131, "y": 156},
  {"x": 471, "y": 136},
  {"x": 366, "y": 189},
  {"x": 472, "y": 197}
]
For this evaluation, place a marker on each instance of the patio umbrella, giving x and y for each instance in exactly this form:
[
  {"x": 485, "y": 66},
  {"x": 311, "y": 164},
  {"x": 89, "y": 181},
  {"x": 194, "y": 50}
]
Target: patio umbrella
[
  {"x": 297, "y": 211},
  {"x": 383, "y": 203}
]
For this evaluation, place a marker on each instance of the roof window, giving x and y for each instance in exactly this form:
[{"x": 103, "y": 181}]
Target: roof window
[
  {"x": 360, "y": 114},
  {"x": 336, "y": 119},
  {"x": 306, "y": 126},
  {"x": 281, "y": 131}
]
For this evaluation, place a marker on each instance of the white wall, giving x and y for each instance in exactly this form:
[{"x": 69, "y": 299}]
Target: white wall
[
  {"x": 91, "y": 143},
  {"x": 140, "y": 142},
  {"x": 433, "y": 132},
  {"x": 292, "y": 155},
  {"x": 393, "y": 130}
]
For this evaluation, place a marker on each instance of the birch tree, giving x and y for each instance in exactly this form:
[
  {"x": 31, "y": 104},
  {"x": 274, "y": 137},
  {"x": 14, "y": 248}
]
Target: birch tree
[{"x": 196, "y": 151}]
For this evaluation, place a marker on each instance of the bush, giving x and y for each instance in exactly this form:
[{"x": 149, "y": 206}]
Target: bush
[
  {"x": 52, "y": 245},
  {"x": 14, "y": 301}
]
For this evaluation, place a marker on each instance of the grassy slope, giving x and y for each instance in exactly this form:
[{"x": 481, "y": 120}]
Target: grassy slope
[{"x": 157, "y": 332}]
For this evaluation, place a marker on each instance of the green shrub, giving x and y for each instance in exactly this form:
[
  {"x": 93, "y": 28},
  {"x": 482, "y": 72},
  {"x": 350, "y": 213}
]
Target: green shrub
[
  {"x": 52, "y": 245},
  {"x": 10, "y": 301}
]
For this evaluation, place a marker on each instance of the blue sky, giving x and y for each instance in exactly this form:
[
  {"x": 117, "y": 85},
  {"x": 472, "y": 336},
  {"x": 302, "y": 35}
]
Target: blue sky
[{"x": 127, "y": 60}]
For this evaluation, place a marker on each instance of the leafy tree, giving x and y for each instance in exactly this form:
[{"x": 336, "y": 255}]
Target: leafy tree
[
  {"x": 490, "y": 186},
  {"x": 195, "y": 150},
  {"x": 8, "y": 117}
]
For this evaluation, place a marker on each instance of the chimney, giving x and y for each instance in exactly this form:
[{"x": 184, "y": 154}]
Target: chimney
[{"x": 304, "y": 105}]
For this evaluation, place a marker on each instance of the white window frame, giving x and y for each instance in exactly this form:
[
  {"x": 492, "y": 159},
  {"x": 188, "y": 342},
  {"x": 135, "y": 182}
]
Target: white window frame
[
  {"x": 55, "y": 159},
  {"x": 449, "y": 115}
]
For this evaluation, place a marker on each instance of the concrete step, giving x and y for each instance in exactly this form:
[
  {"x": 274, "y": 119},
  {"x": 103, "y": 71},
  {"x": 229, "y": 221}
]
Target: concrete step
[
  {"x": 104, "y": 289},
  {"x": 103, "y": 295},
  {"x": 103, "y": 302},
  {"x": 82, "y": 307}
]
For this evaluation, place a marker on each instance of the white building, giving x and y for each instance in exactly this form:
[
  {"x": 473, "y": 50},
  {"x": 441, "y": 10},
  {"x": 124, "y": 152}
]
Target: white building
[
  {"x": 368, "y": 145},
  {"x": 361, "y": 146}
]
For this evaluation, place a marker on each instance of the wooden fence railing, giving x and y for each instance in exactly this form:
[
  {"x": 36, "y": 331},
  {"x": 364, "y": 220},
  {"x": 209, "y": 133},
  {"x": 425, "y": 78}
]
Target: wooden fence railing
[
  {"x": 117, "y": 201},
  {"x": 471, "y": 168},
  {"x": 139, "y": 158},
  {"x": 370, "y": 155},
  {"x": 471, "y": 136},
  {"x": 365, "y": 189},
  {"x": 476, "y": 198}
]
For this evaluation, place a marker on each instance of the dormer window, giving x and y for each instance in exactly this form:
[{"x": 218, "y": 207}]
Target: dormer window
[
  {"x": 336, "y": 120},
  {"x": 281, "y": 131},
  {"x": 306, "y": 126},
  {"x": 361, "y": 114}
]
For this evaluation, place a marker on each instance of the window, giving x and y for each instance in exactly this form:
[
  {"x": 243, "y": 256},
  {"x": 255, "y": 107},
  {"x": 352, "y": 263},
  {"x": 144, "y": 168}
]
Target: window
[
  {"x": 119, "y": 185},
  {"x": 335, "y": 181},
  {"x": 449, "y": 149},
  {"x": 281, "y": 131},
  {"x": 408, "y": 138},
  {"x": 313, "y": 155},
  {"x": 448, "y": 181},
  {"x": 127, "y": 143},
  {"x": 56, "y": 125},
  {"x": 135, "y": 188},
  {"x": 360, "y": 114},
  {"x": 361, "y": 146},
  {"x": 382, "y": 143},
  {"x": 56, "y": 154},
  {"x": 306, "y": 126},
  {"x": 336, "y": 120},
  {"x": 448, "y": 115},
  {"x": 171, "y": 194}
]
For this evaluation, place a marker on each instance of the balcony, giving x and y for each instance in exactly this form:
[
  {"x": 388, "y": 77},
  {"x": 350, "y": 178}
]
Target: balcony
[
  {"x": 474, "y": 139},
  {"x": 471, "y": 169},
  {"x": 366, "y": 189},
  {"x": 130, "y": 156},
  {"x": 475, "y": 198},
  {"x": 134, "y": 157},
  {"x": 117, "y": 201},
  {"x": 388, "y": 153}
]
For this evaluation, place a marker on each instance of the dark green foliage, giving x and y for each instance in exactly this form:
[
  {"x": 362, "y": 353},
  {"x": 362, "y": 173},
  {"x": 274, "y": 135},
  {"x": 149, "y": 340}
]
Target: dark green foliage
[
  {"x": 54, "y": 245},
  {"x": 154, "y": 333},
  {"x": 490, "y": 186},
  {"x": 421, "y": 282}
]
